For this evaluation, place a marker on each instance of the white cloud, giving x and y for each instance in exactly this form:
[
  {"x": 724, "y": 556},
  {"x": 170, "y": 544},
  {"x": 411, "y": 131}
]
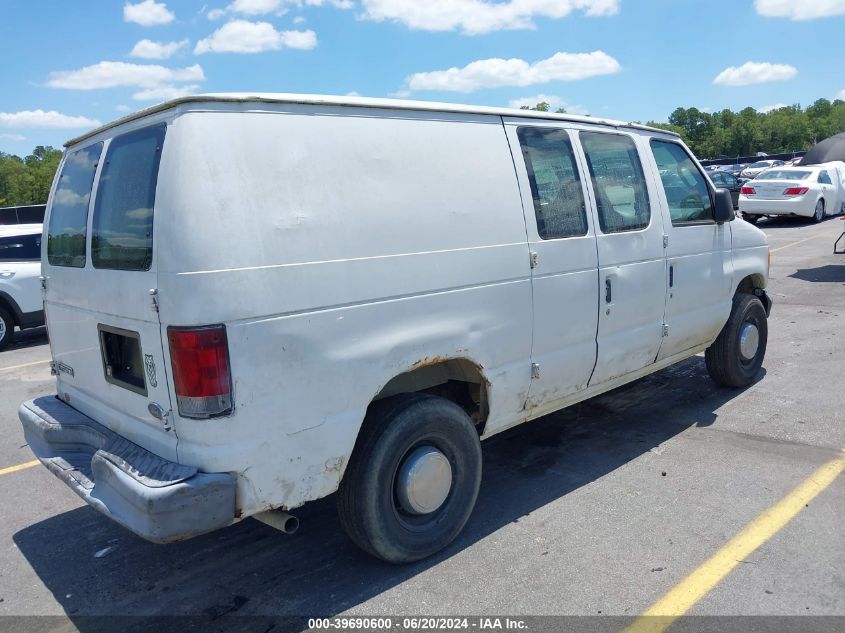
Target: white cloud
[
  {"x": 770, "y": 108},
  {"x": 554, "y": 102},
  {"x": 242, "y": 36},
  {"x": 122, "y": 108},
  {"x": 800, "y": 9},
  {"x": 13, "y": 137},
  {"x": 353, "y": 93},
  {"x": 754, "y": 73},
  {"x": 41, "y": 119},
  {"x": 299, "y": 20},
  {"x": 114, "y": 74},
  {"x": 496, "y": 73},
  {"x": 479, "y": 16},
  {"x": 255, "y": 7},
  {"x": 399, "y": 94},
  {"x": 147, "y": 13},
  {"x": 165, "y": 92},
  {"x": 148, "y": 49},
  {"x": 840, "y": 95},
  {"x": 216, "y": 14}
]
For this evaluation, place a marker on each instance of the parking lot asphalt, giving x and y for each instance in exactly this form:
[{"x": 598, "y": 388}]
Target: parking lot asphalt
[{"x": 602, "y": 508}]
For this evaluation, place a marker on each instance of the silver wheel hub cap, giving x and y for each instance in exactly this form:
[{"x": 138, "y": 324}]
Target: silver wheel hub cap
[
  {"x": 424, "y": 480},
  {"x": 2, "y": 329},
  {"x": 749, "y": 341}
]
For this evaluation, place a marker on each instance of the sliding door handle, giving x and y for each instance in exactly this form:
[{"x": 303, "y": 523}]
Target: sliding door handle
[
  {"x": 671, "y": 276},
  {"x": 608, "y": 291}
]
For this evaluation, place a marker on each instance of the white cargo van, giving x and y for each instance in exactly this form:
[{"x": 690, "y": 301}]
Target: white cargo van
[{"x": 255, "y": 301}]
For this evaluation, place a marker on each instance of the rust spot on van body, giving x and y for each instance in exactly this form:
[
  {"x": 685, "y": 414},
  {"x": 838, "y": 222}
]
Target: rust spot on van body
[{"x": 429, "y": 360}]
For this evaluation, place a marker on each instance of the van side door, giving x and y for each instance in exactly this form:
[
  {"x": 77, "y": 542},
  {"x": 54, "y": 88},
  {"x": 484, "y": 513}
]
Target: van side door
[
  {"x": 631, "y": 259},
  {"x": 698, "y": 254},
  {"x": 562, "y": 246}
]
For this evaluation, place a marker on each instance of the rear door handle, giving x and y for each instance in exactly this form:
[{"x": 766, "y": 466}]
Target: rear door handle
[{"x": 608, "y": 291}]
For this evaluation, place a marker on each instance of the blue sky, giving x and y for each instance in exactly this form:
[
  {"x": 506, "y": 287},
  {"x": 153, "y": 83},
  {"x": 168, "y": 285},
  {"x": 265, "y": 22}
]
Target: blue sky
[{"x": 68, "y": 65}]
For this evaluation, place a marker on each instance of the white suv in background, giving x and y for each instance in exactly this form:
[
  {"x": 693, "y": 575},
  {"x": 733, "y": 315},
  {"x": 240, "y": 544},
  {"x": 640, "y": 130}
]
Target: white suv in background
[{"x": 20, "y": 286}]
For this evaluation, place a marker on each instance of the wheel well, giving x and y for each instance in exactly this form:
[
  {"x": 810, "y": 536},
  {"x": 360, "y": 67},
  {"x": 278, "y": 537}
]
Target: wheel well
[
  {"x": 751, "y": 283},
  {"x": 6, "y": 305},
  {"x": 456, "y": 379},
  {"x": 754, "y": 285}
]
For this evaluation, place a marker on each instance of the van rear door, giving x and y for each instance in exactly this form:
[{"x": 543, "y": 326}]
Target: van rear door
[{"x": 100, "y": 279}]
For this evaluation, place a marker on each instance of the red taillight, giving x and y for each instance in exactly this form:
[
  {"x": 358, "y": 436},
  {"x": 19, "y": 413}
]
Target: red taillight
[
  {"x": 795, "y": 191},
  {"x": 200, "y": 360},
  {"x": 747, "y": 191}
]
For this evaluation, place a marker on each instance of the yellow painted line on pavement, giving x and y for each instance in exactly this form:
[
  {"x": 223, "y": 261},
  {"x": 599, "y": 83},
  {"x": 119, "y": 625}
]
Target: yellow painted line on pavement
[
  {"x": 795, "y": 243},
  {"x": 14, "y": 469},
  {"x": 38, "y": 362},
  {"x": 700, "y": 582}
]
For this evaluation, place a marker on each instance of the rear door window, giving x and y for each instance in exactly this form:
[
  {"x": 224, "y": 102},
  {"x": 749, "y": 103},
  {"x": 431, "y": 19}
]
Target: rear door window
[
  {"x": 686, "y": 188},
  {"x": 555, "y": 184},
  {"x": 68, "y": 225},
  {"x": 23, "y": 248},
  {"x": 618, "y": 181},
  {"x": 122, "y": 230}
]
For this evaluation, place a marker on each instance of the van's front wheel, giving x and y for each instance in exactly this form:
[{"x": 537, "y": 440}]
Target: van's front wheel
[
  {"x": 413, "y": 478},
  {"x": 736, "y": 356}
]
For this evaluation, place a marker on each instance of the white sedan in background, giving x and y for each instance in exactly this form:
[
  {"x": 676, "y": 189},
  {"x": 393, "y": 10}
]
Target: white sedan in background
[{"x": 812, "y": 192}]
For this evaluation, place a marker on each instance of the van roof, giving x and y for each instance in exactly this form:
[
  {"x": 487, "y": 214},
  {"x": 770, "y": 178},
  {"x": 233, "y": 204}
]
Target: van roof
[{"x": 361, "y": 102}]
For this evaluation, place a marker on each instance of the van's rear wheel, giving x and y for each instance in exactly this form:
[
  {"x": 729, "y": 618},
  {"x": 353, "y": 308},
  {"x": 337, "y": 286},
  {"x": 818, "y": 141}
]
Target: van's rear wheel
[
  {"x": 7, "y": 328},
  {"x": 737, "y": 354},
  {"x": 413, "y": 478}
]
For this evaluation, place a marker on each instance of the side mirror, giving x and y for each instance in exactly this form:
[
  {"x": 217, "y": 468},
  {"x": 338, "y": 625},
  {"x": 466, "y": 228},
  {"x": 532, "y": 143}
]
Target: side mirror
[{"x": 724, "y": 209}]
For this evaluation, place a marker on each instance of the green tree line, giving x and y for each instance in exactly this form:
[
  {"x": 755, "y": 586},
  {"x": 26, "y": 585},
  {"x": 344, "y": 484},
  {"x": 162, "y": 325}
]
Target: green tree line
[{"x": 27, "y": 180}]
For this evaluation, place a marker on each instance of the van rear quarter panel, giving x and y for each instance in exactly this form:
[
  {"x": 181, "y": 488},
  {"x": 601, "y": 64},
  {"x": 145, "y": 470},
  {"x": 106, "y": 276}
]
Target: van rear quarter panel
[{"x": 340, "y": 246}]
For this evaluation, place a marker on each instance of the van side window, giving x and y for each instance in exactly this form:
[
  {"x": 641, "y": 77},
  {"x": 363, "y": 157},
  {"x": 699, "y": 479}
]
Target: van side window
[
  {"x": 686, "y": 189},
  {"x": 555, "y": 183},
  {"x": 618, "y": 181},
  {"x": 68, "y": 224},
  {"x": 23, "y": 248},
  {"x": 122, "y": 231}
]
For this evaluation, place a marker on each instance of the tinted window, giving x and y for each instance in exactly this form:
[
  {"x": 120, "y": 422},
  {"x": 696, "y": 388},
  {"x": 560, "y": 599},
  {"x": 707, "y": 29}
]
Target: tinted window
[
  {"x": 555, "y": 184},
  {"x": 20, "y": 249},
  {"x": 783, "y": 174},
  {"x": 686, "y": 189},
  {"x": 122, "y": 231},
  {"x": 618, "y": 181},
  {"x": 824, "y": 178},
  {"x": 717, "y": 178},
  {"x": 69, "y": 214}
]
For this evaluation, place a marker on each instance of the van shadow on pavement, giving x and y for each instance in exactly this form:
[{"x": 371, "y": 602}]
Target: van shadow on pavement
[{"x": 250, "y": 569}]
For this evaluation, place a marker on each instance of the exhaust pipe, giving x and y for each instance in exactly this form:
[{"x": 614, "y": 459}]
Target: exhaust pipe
[{"x": 282, "y": 521}]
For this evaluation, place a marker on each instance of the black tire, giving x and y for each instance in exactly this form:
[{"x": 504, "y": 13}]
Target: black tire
[
  {"x": 367, "y": 501},
  {"x": 751, "y": 219},
  {"x": 818, "y": 215},
  {"x": 7, "y": 328},
  {"x": 725, "y": 363}
]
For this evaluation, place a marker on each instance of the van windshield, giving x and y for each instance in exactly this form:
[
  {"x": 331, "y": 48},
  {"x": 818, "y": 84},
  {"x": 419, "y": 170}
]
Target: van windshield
[{"x": 122, "y": 230}]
